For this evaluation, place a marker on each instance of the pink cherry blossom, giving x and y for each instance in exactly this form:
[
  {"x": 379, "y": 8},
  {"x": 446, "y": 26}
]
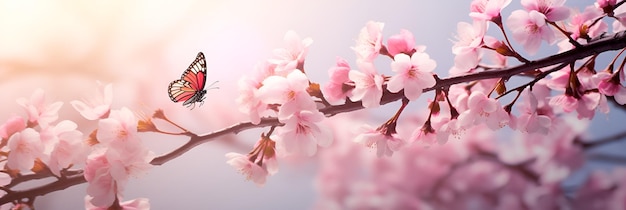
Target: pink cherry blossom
[
  {"x": 553, "y": 10},
  {"x": 134, "y": 204},
  {"x": 290, "y": 92},
  {"x": 38, "y": 110},
  {"x": 370, "y": 41},
  {"x": 292, "y": 56},
  {"x": 566, "y": 102},
  {"x": 368, "y": 85},
  {"x": 302, "y": 133},
  {"x": 98, "y": 106},
  {"x": 25, "y": 147},
  {"x": 69, "y": 150},
  {"x": 336, "y": 91},
  {"x": 251, "y": 170},
  {"x": 469, "y": 41},
  {"x": 402, "y": 43},
  {"x": 530, "y": 119},
  {"x": 119, "y": 130},
  {"x": 248, "y": 100},
  {"x": 125, "y": 164},
  {"x": 63, "y": 146},
  {"x": 413, "y": 74},
  {"x": 488, "y": 10},
  {"x": 607, "y": 86},
  {"x": 605, "y": 3},
  {"x": 580, "y": 23},
  {"x": 102, "y": 186},
  {"x": 482, "y": 109},
  {"x": 529, "y": 28},
  {"x": 373, "y": 138},
  {"x": 12, "y": 125}
]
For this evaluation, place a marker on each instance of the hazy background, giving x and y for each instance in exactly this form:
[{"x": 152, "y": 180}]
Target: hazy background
[{"x": 65, "y": 46}]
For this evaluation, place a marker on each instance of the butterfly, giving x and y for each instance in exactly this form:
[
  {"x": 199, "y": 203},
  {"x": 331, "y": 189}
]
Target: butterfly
[{"x": 190, "y": 87}]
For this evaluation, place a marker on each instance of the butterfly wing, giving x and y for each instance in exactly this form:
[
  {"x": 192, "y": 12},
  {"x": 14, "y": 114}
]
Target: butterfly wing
[
  {"x": 190, "y": 87},
  {"x": 196, "y": 73}
]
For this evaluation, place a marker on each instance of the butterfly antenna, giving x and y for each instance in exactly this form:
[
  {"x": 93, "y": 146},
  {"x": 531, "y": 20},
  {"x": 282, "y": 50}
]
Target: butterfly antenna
[{"x": 211, "y": 85}]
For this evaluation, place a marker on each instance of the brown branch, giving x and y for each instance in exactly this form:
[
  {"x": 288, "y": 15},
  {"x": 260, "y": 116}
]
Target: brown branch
[{"x": 604, "y": 43}]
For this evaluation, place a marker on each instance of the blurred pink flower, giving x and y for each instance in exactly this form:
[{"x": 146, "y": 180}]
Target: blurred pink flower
[
  {"x": 289, "y": 58},
  {"x": 98, "y": 106},
  {"x": 487, "y": 10},
  {"x": 12, "y": 125},
  {"x": 248, "y": 100},
  {"x": 251, "y": 170},
  {"x": 413, "y": 74},
  {"x": 134, "y": 204},
  {"x": 552, "y": 9},
  {"x": 302, "y": 133},
  {"x": 368, "y": 85},
  {"x": 39, "y": 111},
  {"x": 369, "y": 42},
  {"x": 25, "y": 147},
  {"x": 335, "y": 90},
  {"x": 102, "y": 187},
  {"x": 70, "y": 150}
]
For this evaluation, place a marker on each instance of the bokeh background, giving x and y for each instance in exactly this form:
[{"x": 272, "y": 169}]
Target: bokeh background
[{"x": 65, "y": 46}]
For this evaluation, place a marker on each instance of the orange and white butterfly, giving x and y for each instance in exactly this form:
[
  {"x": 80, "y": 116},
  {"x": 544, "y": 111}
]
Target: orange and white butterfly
[{"x": 190, "y": 87}]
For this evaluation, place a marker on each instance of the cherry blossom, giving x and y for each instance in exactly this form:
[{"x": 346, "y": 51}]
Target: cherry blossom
[
  {"x": 337, "y": 89},
  {"x": 69, "y": 150},
  {"x": 413, "y": 74},
  {"x": 469, "y": 41},
  {"x": 292, "y": 57},
  {"x": 368, "y": 85},
  {"x": 581, "y": 24},
  {"x": 488, "y": 10},
  {"x": 38, "y": 110},
  {"x": 373, "y": 138},
  {"x": 370, "y": 41},
  {"x": 63, "y": 146},
  {"x": 98, "y": 106},
  {"x": 103, "y": 188},
  {"x": 531, "y": 119},
  {"x": 25, "y": 147},
  {"x": 403, "y": 43},
  {"x": 605, "y": 3},
  {"x": 553, "y": 10},
  {"x": 12, "y": 125},
  {"x": 482, "y": 109},
  {"x": 290, "y": 92},
  {"x": 119, "y": 130},
  {"x": 124, "y": 164},
  {"x": 608, "y": 85},
  {"x": 251, "y": 170},
  {"x": 302, "y": 133},
  {"x": 529, "y": 28},
  {"x": 248, "y": 100},
  {"x": 134, "y": 204}
]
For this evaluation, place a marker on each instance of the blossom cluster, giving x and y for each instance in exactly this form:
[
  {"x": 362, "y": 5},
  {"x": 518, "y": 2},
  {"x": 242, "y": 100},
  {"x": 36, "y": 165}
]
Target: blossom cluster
[
  {"x": 545, "y": 152},
  {"x": 38, "y": 144}
]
